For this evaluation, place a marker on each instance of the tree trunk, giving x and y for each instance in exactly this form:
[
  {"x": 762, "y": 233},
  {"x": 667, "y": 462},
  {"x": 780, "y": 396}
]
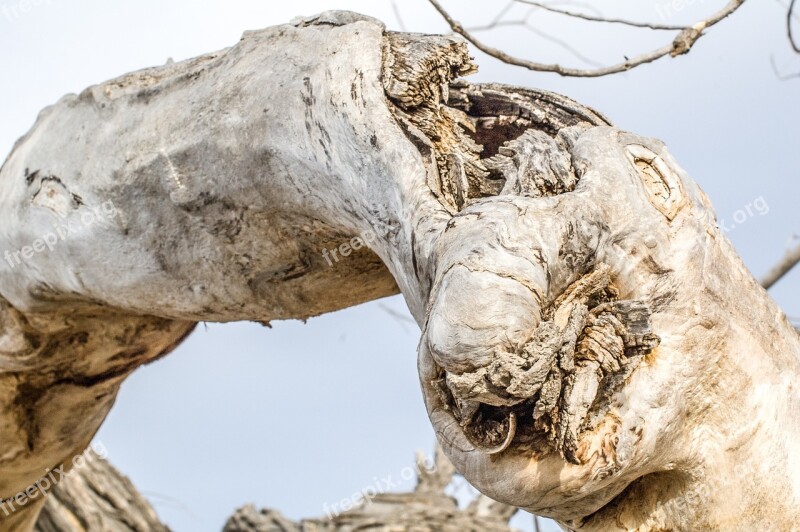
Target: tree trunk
[{"x": 593, "y": 349}]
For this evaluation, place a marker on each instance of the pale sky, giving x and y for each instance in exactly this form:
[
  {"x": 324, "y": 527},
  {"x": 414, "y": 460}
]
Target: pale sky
[{"x": 222, "y": 422}]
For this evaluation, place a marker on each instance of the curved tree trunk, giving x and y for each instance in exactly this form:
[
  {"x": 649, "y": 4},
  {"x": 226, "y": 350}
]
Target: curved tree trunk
[{"x": 593, "y": 349}]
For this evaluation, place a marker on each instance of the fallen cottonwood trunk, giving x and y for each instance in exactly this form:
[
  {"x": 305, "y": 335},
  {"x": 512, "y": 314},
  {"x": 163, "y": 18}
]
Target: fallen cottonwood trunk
[{"x": 593, "y": 349}]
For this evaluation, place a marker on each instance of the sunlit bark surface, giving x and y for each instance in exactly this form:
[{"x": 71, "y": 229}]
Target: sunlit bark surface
[{"x": 593, "y": 349}]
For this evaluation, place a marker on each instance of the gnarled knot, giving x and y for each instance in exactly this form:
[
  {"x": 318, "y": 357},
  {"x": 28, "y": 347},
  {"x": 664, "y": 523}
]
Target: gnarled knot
[
  {"x": 586, "y": 345},
  {"x": 535, "y": 164}
]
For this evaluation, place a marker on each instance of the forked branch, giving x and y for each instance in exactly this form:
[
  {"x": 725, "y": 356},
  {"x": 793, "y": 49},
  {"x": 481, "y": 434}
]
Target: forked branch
[{"x": 681, "y": 44}]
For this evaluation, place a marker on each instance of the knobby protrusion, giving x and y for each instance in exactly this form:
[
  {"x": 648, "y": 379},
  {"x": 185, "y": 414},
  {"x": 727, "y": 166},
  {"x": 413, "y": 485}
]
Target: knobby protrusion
[{"x": 587, "y": 338}]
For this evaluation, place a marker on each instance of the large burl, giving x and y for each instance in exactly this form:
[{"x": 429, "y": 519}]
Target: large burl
[{"x": 593, "y": 349}]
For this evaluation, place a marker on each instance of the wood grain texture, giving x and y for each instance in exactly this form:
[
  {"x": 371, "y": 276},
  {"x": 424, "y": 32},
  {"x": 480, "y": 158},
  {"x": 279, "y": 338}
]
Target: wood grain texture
[
  {"x": 593, "y": 349},
  {"x": 96, "y": 497},
  {"x": 426, "y": 509}
]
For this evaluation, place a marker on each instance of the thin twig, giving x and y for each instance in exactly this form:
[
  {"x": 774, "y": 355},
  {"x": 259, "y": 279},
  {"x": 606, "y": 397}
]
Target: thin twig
[
  {"x": 565, "y": 45},
  {"x": 585, "y": 5},
  {"x": 502, "y": 13},
  {"x": 795, "y": 46},
  {"x": 498, "y": 21},
  {"x": 398, "y": 16},
  {"x": 778, "y": 74},
  {"x": 783, "y": 267},
  {"x": 546, "y": 36},
  {"x": 497, "y": 24},
  {"x": 592, "y": 18},
  {"x": 398, "y": 316},
  {"x": 681, "y": 45}
]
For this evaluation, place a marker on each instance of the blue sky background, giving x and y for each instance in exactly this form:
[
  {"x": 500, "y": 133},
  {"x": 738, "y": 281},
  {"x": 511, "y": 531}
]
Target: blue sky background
[{"x": 221, "y": 422}]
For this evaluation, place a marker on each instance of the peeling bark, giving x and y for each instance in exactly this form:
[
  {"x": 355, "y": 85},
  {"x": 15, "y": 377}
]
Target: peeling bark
[{"x": 590, "y": 338}]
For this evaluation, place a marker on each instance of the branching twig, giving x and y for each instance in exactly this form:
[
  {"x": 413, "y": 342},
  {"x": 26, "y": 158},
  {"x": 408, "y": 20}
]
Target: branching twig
[
  {"x": 782, "y": 268},
  {"x": 502, "y": 13},
  {"x": 565, "y": 45},
  {"x": 594, "y": 18},
  {"x": 587, "y": 6},
  {"x": 497, "y": 23},
  {"x": 778, "y": 74},
  {"x": 398, "y": 16},
  {"x": 681, "y": 45},
  {"x": 795, "y": 45},
  {"x": 398, "y": 316}
]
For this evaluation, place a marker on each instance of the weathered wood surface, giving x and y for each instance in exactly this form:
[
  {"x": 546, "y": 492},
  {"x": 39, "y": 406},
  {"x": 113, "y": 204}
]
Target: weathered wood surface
[
  {"x": 96, "y": 497},
  {"x": 426, "y": 509},
  {"x": 593, "y": 349}
]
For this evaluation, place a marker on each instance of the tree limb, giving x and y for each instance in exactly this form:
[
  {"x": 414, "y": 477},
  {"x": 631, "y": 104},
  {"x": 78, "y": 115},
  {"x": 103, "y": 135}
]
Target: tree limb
[
  {"x": 682, "y": 44},
  {"x": 594, "y": 18},
  {"x": 780, "y": 75},
  {"x": 783, "y": 267}
]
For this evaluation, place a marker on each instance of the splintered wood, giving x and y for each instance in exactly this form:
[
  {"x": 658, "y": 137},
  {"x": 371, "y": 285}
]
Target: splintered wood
[
  {"x": 417, "y": 76},
  {"x": 588, "y": 342},
  {"x": 438, "y": 115},
  {"x": 585, "y": 346}
]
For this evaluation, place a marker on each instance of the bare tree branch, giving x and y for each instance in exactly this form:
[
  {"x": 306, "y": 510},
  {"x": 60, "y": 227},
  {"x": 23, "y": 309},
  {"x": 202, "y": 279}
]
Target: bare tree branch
[
  {"x": 593, "y": 18},
  {"x": 565, "y": 45},
  {"x": 781, "y": 76},
  {"x": 498, "y": 22},
  {"x": 783, "y": 267},
  {"x": 587, "y": 6},
  {"x": 398, "y": 16},
  {"x": 502, "y": 13},
  {"x": 679, "y": 46},
  {"x": 790, "y": 13}
]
